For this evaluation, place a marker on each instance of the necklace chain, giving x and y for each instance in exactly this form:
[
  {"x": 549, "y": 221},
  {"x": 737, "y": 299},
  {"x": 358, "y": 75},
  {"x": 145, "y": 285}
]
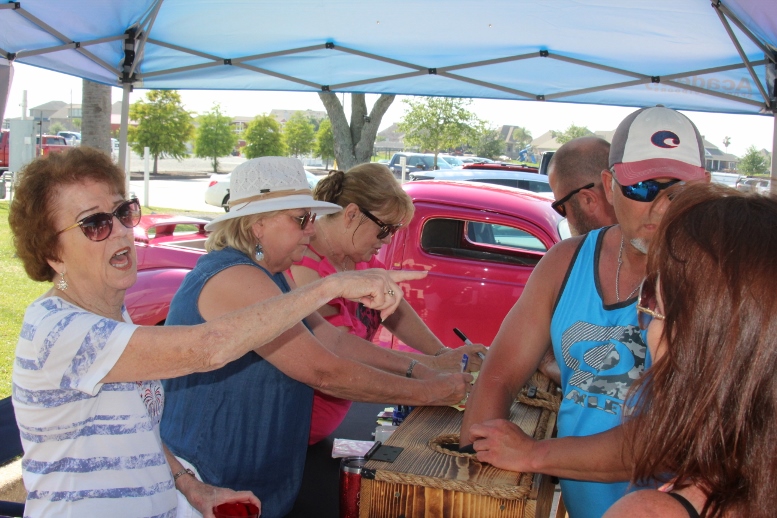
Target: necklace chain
[
  {"x": 343, "y": 268},
  {"x": 618, "y": 276}
]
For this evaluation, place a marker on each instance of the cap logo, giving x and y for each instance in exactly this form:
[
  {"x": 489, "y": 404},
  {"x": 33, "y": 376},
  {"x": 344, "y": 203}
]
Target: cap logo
[{"x": 660, "y": 138}]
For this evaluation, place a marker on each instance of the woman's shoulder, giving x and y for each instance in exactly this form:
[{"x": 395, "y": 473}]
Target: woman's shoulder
[{"x": 647, "y": 503}]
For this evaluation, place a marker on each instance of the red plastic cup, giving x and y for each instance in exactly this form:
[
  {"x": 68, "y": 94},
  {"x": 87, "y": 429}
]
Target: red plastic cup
[{"x": 236, "y": 509}]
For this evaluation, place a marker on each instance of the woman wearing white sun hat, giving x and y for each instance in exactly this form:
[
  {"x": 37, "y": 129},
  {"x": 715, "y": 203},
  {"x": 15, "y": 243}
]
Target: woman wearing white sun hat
[{"x": 246, "y": 425}]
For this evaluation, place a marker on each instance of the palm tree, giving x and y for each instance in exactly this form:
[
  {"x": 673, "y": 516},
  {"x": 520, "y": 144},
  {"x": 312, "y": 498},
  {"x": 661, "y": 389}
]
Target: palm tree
[
  {"x": 726, "y": 142},
  {"x": 96, "y": 116}
]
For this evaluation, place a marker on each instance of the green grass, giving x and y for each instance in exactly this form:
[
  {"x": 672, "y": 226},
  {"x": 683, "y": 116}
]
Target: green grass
[{"x": 17, "y": 291}]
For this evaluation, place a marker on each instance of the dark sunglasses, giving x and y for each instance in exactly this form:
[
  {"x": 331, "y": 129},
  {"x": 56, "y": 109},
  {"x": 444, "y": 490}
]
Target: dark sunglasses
[
  {"x": 647, "y": 304},
  {"x": 385, "y": 228},
  {"x": 558, "y": 205},
  {"x": 646, "y": 191},
  {"x": 308, "y": 217},
  {"x": 98, "y": 226}
]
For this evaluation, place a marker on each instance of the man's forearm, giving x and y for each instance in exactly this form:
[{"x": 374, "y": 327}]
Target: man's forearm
[{"x": 597, "y": 458}]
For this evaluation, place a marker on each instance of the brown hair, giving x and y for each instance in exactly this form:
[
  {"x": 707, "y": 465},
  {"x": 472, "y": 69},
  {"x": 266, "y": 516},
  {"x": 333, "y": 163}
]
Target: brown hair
[
  {"x": 31, "y": 215},
  {"x": 370, "y": 186},
  {"x": 580, "y": 161},
  {"x": 706, "y": 410}
]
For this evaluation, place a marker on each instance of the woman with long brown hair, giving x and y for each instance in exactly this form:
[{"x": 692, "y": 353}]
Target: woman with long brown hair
[{"x": 704, "y": 422}]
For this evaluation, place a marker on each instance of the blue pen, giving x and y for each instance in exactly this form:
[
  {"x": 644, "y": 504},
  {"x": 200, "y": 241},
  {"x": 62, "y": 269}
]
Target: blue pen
[{"x": 464, "y": 362}]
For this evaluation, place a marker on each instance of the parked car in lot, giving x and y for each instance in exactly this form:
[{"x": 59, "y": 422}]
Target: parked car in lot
[
  {"x": 478, "y": 242},
  {"x": 508, "y": 175},
  {"x": 416, "y": 162},
  {"x": 764, "y": 187},
  {"x": 746, "y": 184},
  {"x": 73, "y": 138},
  {"x": 476, "y": 160},
  {"x": 217, "y": 192}
]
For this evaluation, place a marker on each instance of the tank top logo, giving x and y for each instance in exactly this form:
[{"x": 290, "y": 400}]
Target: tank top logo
[{"x": 605, "y": 361}]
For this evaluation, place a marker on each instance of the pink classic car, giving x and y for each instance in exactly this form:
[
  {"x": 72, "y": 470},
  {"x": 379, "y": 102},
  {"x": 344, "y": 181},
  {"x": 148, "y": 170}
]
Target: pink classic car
[{"x": 479, "y": 243}]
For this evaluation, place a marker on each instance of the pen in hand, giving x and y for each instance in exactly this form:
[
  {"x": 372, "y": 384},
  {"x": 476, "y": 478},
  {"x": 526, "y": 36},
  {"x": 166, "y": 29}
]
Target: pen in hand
[
  {"x": 464, "y": 362},
  {"x": 467, "y": 341}
]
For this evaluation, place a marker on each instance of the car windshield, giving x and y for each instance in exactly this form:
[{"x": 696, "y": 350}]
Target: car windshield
[{"x": 452, "y": 160}]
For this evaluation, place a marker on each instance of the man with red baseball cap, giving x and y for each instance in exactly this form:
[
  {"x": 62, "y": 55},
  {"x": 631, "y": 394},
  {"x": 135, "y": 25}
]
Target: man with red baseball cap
[{"x": 581, "y": 301}]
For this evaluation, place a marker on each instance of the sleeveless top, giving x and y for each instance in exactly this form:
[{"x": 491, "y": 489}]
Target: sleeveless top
[
  {"x": 243, "y": 426},
  {"x": 600, "y": 351},
  {"x": 329, "y": 411}
]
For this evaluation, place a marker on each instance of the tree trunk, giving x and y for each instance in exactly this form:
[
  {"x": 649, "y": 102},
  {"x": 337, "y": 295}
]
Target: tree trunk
[
  {"x": 96, "y": 116},
  {"x": 354, "y": 143}
]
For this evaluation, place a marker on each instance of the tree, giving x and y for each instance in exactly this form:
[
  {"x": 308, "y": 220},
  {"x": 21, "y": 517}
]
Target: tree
[
  {"x": 521, "y": 137},
  {"x": 56, "y": 128},
  {"x": 354, "y": 143},
  {"x": 726, "y": 142},
  {"x": 437, "y": 123},
  {"x": 264, "y": 137},
  {"x": 572, "y": 132},
  {"x": 164, "y": 126},
  {"x": 299, "y": 134},
  {"x": 325, "y": 142},
  {"x": 215, "y": 137},
  {"x": 753, "y": 163},
  {"x": 486, "y": 141},
  {"x": 96, "y": 113}
]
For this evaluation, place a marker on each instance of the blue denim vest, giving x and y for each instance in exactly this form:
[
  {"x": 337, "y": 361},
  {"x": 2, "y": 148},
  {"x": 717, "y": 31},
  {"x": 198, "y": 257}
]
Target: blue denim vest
[{"x": 244, "y": 426}]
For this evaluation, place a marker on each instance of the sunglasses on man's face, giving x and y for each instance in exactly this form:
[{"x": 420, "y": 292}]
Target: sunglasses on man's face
[
  {"x": 646, "y": 191},
  {"x": 647, "y": 304},
  {"x": 98, "y": 226},
  {"x": 308, "y": 217},
  {"x": 385, "y": 228},
  {"x": 558, "y": 205}
]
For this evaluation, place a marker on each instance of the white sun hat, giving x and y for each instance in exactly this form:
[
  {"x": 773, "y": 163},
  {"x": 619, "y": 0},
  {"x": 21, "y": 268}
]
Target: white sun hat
[{"x": 270, "y": 183}]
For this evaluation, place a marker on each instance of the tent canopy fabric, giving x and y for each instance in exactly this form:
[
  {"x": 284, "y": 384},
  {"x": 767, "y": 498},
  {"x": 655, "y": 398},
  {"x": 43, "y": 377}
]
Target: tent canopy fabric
[{"x": 685, "y": 54}]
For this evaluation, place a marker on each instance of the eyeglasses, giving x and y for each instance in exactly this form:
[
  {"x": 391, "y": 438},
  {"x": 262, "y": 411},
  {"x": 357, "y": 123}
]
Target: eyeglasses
[
  {"x": 558, "y": 205},
  {"x": 98, "y": 226},
  {"x": 646, "y": 191},
  {"x": 385, "y": 228},
  {"x": 308, "y": 217},
  {"x": 647, "y": 304}
]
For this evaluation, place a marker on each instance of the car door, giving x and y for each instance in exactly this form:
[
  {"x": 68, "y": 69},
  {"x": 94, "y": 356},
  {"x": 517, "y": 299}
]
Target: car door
[{"x": 478, "y": 264}]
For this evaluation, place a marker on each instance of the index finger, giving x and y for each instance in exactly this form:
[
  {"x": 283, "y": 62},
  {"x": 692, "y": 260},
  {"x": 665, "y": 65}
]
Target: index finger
[{"x": 406, "y": 275}]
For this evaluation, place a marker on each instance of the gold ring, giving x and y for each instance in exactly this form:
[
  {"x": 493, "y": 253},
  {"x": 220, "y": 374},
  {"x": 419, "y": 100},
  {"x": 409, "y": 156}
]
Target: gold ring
[{"x": 390, "y": 293}]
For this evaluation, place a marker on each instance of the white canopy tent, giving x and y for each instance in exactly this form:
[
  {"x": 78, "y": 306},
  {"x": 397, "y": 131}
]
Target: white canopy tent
[{"x": 685, "y": 54}]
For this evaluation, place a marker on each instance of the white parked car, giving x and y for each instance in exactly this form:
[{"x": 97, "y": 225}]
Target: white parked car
[
  {"x": 217, "y": 193},
  {"x": 73, "y": 138}
]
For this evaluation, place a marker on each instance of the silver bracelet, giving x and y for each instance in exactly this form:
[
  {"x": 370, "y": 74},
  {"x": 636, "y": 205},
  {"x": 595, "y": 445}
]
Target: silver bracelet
[
  {"x": 442, "y": 350},
  {"x": 183, "y": 472},
  {"x": 409, "y": 372}
]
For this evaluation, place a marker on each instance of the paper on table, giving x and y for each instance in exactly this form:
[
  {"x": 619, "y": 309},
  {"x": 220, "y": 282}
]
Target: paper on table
[
  {"x": 463, "y": 403},
  {"x": 350, "y": 448}
]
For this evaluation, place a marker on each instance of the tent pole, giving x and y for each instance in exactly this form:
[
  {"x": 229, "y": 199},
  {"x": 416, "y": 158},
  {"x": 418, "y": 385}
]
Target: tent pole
[
  {"x": 123, "y": 150},
  {"x": 774, "y": 158}
]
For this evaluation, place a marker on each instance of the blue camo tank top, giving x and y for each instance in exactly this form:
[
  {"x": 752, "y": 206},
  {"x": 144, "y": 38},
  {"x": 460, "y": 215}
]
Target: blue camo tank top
[
  {"x": 601, "y": 352},
  {"x": 244, "y": 426}
]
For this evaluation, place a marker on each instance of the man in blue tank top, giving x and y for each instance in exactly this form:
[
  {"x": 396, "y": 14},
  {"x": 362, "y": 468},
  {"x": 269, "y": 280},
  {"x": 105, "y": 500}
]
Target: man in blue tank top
[{"x": 581, "y": 301}]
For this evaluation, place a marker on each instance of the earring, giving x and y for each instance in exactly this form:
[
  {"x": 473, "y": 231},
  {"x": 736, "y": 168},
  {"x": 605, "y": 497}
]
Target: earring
[
  {"x": 62, "y": 283},
  {"x": 259, "y": 252}
]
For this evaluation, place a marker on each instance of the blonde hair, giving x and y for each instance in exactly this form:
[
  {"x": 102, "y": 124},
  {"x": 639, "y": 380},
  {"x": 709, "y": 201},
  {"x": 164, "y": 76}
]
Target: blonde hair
[
  {"x": 371, "y": 187},
  {"x": 237, "y": 233}
]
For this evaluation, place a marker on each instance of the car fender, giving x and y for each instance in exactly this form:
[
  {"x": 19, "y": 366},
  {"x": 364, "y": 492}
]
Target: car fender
[{"x": 148, "y": 300}]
